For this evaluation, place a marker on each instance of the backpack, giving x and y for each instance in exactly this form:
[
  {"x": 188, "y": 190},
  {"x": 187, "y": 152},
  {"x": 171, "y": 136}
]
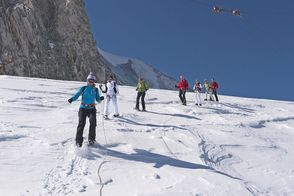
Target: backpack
[
  {"x": 114, "y": 88},
  {"x": 199, "y": 87},
  {"x": 84, "y": 88}
]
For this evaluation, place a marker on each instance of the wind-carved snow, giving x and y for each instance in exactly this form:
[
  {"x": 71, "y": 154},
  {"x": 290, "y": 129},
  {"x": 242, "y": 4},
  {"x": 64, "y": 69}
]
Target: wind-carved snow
[{"x": 239, "y": 146}]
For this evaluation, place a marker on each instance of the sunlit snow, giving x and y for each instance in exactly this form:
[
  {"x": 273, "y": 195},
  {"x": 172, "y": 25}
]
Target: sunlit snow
[{"x": 239, "y": 146}]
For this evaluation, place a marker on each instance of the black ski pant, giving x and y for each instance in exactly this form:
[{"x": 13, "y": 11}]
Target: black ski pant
[
  {"x": 182, "y": 95},
  {"x": 83, "y": 114},
  {"x": 215, "y": 95},
  {"x": 142, "y": 96}
]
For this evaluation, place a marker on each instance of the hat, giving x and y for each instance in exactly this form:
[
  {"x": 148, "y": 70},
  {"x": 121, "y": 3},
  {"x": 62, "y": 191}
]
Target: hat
[
  {"x": 91, "y": 76},
  {"x": 110, "y": 77}
]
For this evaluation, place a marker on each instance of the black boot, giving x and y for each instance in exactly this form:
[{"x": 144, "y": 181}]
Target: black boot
[{"x": 92, "y": 142}]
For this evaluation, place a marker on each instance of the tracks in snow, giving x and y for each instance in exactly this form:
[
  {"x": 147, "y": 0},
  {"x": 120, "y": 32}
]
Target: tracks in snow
[
  {"x": 66, "y": 178},
  {"x": 219, "y": 160},
  {"x": 69, "y": 177},
  {"x": 72, "y": 175}
]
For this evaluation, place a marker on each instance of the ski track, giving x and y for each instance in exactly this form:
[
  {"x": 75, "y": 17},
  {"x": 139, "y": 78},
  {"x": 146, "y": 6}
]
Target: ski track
[
  {"x": 261, "y": 124},
  {"x": 217, "y": 157},
  {"x": 70, "y": 177}
]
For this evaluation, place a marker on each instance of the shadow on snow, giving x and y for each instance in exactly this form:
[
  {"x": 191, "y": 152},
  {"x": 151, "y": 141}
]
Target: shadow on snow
[
  {"x": 175, "y": 115},
  {"x": 126, "y": 120},
  {"x": 239, "y": 107},
  {"x": 141, "y": 155}
]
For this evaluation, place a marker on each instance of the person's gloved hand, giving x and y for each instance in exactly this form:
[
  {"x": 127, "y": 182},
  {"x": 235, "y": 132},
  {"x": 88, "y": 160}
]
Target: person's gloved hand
[
  {"x": 70, "y": 100},
  {"x": 101, "y": 98},
  {"x": 176, "y": 86}
]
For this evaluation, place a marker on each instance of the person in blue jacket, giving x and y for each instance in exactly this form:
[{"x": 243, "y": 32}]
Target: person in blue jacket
[{"x": 89, "y": 94}]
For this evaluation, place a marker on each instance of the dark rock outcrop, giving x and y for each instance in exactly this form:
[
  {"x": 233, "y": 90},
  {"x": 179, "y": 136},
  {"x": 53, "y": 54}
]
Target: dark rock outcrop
[{"x": 48, "y": 39}]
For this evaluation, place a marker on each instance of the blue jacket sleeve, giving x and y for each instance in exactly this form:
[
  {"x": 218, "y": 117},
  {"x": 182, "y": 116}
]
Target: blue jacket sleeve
[
  {"x": 98, "y": 96},
  {"x": 77, "y": 95}
]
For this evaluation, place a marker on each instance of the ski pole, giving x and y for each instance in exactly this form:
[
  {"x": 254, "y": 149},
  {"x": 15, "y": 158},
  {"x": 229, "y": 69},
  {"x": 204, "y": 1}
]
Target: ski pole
[{"x": 149, "y": 100}]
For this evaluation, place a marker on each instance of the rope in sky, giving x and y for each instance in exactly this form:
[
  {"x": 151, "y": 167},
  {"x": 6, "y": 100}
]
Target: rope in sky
[
  {"x": 218, "y": 9},
  {"x": 235, "y": 11}
]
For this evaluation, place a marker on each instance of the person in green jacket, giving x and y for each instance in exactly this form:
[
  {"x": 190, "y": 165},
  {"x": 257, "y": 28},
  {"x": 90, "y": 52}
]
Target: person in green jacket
[{"x": 142, "y": 87}]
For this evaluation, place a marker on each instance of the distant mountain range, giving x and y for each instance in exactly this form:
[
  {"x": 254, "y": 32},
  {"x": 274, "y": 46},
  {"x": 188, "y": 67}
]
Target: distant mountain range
[{"x": 128, "y": 70}]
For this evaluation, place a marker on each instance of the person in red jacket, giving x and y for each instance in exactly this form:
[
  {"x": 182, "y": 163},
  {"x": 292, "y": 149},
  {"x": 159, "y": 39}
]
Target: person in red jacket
[
  {"x": 214, "y": 87},
  {"x": 183, "y": 87}
]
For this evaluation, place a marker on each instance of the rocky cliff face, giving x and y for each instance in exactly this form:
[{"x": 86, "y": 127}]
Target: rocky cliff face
[{"x": 48, "y": 38}]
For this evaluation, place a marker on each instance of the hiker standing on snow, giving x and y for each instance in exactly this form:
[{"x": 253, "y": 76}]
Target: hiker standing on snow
[
  {"x": 197, "y": 89},
  {"x": 183, "y": 87},
  {"x": 142, "y": 87},
  {"x": 111, "y": 91},
  {"x": 208, "y": 90},
  {"x": 87, "y": 109},
  {"x": 214, "y": 87}
]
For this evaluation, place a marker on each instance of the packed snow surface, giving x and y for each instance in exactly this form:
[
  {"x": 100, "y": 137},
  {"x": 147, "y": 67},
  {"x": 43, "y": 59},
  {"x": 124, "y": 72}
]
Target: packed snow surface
[{"x": 239, "y": 146}]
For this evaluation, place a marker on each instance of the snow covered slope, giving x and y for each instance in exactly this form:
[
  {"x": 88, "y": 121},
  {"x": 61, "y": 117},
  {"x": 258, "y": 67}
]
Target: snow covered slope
[
  {"x": 239, "y": 146},
  {"x": 128, "y": 70}
]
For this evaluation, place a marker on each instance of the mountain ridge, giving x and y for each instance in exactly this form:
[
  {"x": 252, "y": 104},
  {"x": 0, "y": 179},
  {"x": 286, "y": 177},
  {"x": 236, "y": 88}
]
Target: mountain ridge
[{"x": 128, "y": 70}]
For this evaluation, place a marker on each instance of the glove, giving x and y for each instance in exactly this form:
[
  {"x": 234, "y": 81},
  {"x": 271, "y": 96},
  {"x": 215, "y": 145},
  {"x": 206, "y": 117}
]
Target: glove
[
  {"x": 101, "y": 98},
  {"x": 70, "y": 100},
  {"x": 176, "y": 86}
]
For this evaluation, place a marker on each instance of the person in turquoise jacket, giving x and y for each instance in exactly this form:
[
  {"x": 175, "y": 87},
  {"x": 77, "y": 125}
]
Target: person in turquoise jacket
[{"x": 89, "y": 94}]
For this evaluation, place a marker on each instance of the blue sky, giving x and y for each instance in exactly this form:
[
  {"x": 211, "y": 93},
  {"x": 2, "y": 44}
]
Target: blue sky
[{"x": 250, "y": 56}]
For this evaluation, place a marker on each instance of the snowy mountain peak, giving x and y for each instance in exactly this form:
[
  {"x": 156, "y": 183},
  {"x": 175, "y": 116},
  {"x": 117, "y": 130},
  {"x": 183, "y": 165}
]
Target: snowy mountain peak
[{"x": 128, "y": 70}]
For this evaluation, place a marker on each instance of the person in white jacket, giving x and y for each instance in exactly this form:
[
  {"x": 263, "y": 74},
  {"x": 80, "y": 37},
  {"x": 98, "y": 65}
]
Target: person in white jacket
[
  {"x": 197, "y": 89},
  {"x": 111, "y": 91}
]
